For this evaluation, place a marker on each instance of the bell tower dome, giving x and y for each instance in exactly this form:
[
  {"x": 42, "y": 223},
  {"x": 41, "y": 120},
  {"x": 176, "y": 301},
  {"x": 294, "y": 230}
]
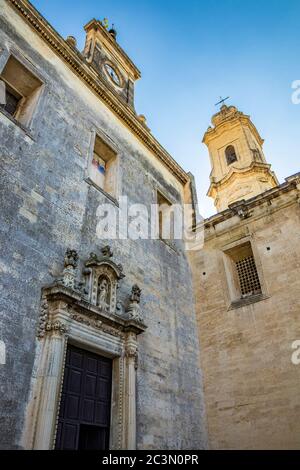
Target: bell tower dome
[{"x": 239, "y": 168}]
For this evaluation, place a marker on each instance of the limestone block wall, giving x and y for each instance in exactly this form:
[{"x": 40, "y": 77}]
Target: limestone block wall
[
  {"x": 47, "y": 206},
  {"x": 251, "y": 385}
]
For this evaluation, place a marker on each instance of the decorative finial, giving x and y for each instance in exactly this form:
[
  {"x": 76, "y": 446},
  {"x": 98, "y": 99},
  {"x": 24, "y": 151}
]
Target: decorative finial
[
  {"x": 113, "y": 32},
  {"x": 71, "y": 40},
  {"x": 107, "y": 252},
  {"x": 71, "y": 258},
  {"x": 136, "y": 293}
]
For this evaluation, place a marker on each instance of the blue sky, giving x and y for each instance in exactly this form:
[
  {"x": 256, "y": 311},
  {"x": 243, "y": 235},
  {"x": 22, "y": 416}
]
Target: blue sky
[{"x": 192, "y": 51}]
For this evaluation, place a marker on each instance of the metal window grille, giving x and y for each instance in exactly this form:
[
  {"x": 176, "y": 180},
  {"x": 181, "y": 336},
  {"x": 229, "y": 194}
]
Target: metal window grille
[{"x": 248, "y": 276}]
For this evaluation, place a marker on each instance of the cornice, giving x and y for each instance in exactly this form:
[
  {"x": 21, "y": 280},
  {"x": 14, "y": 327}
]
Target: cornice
[
  {"x": 253, "y": 168},
  {"x": 239, "y": 118},
  {"x": 292, "y": 183},
  {"x": 86, "y": 73}
]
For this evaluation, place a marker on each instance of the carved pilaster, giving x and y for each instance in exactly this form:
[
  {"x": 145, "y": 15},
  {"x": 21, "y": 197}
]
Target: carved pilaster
[
  {"x": 44, "y": 313},
  {"x": 131, "y": 349},
  {"x": 49, "y": 378}
]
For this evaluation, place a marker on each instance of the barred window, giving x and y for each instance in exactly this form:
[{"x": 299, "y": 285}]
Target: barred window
[
  {"x": 248, "y": 276},
  {"x": 242, "y": 274}
]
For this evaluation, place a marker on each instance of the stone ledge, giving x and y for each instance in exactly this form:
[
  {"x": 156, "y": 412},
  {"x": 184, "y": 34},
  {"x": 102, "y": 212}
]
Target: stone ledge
[
  {"x": 247, "y": 301},
  {"x": 107, "y": 195},
  {"x": 17, "y": 123}
]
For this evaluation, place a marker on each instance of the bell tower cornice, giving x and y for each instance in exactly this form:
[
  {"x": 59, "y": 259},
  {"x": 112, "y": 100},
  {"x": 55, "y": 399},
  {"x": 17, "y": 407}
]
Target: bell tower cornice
[{"x": 233, "y": 117}]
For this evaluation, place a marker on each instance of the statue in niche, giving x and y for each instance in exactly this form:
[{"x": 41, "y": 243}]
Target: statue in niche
[{"x": 103, "y": 293}]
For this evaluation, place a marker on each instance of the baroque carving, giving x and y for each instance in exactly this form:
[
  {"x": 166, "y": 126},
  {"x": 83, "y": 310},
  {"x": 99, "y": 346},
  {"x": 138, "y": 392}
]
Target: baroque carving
[
  {"x": 106, "y": 252},
  {"x": 102, "y": 278},
  {"x": 134, "y": 311},
  {"x": 131, "y": 349},
  {"x": 241, "y": 209},
  {"x": 136, "y": 294},
  {"x": 97, "y": 300},
  {"x": 69, "y": 273},
  {"x": 98, "y": 324},
  {"x": 44, "y": 312},
  {"x": 71, "y": 258},
  {"x": 104, "y": 293},
  {"x": 57, "y": 327}
]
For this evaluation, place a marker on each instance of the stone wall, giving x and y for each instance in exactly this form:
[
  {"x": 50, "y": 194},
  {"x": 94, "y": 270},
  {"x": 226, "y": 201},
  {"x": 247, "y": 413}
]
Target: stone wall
[
  {"x": 47, "y": 206},
  {"x": 250, "y": 383}
]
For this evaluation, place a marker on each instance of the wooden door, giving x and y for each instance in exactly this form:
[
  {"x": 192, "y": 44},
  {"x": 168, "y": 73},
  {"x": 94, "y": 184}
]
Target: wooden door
[{"x": 84, "y": 416}]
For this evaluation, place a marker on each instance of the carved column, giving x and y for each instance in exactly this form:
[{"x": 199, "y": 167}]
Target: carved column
[
  {"x": 130, "y": 391},
  {"x": 49, "y": 379}
]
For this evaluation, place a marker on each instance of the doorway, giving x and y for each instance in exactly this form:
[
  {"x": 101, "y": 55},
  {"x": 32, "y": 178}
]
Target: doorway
[{"x": 84, "y": 416}]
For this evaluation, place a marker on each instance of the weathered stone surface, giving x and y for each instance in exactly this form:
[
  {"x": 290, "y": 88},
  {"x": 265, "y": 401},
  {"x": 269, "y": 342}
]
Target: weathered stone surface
[
  {"x": 47, "y": 206},
  {"x": 251, "y": 384}
]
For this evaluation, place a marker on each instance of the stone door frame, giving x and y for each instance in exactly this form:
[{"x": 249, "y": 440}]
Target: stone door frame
[{"x": 71, "y": 320}]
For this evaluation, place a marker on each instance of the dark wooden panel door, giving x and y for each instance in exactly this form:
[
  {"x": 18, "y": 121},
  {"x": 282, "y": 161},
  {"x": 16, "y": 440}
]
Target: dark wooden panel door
[{"x": 84, "y": 416}]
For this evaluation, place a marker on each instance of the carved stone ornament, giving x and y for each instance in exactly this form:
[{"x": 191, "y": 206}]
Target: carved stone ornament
[
  {"x": 71, "y": 258},
  {"x": 69, "y": 275},
  {"x": 134, "y": 311},
  {"x": 131, "y": 347},
  {"x": 44, "y": 311},
  {"x": 102, "y": 278},
  {"x": 91, "y": 300},
  {"x": 106, "y": 252},
  {"x": 240, "y": 208},
  {"x": 56, "y": 326},
  {"x": 136, "y": 294},
  {"x": 91, "y": 318}
]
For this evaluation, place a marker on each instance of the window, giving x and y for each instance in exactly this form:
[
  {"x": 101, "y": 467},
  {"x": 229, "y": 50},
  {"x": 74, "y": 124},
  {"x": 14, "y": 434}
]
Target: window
[
  {"x": 22, "y": 90},
  {"x": 165, "y": 218},
  {"x": 248, "y": 276},
  {"x": 241, "y": 272},
  {"x": 103, "y": 167},
  {"x": 230, "y": 155}
]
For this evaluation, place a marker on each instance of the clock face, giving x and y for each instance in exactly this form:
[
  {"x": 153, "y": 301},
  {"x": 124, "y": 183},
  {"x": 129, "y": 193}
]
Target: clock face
[{"x": 113, "y": 75}]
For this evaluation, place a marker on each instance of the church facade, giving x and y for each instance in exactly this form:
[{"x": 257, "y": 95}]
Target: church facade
[{"x": 112, "y": 341}]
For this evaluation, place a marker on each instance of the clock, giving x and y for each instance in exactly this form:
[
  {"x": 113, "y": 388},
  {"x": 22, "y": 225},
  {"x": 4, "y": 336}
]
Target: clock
[{"x": 113, "y": 75}]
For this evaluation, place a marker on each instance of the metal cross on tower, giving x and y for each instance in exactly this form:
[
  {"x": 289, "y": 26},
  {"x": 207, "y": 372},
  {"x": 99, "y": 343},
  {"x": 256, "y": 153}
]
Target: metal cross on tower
[{"x": 222, "y": 100}]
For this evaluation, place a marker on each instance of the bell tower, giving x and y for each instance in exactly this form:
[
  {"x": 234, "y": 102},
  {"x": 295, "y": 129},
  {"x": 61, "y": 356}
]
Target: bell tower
[{"x": 239, "y": 168}]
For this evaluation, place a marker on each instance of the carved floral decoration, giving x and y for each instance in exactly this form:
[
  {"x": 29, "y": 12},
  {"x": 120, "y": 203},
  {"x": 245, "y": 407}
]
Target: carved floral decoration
[{"x": 97, "y": 286}]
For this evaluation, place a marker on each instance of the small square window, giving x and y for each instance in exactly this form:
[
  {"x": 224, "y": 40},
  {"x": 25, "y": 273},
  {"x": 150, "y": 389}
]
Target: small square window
[
  {"x": 22, "y": 90},
  {"x": 103, "y": 167}
]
